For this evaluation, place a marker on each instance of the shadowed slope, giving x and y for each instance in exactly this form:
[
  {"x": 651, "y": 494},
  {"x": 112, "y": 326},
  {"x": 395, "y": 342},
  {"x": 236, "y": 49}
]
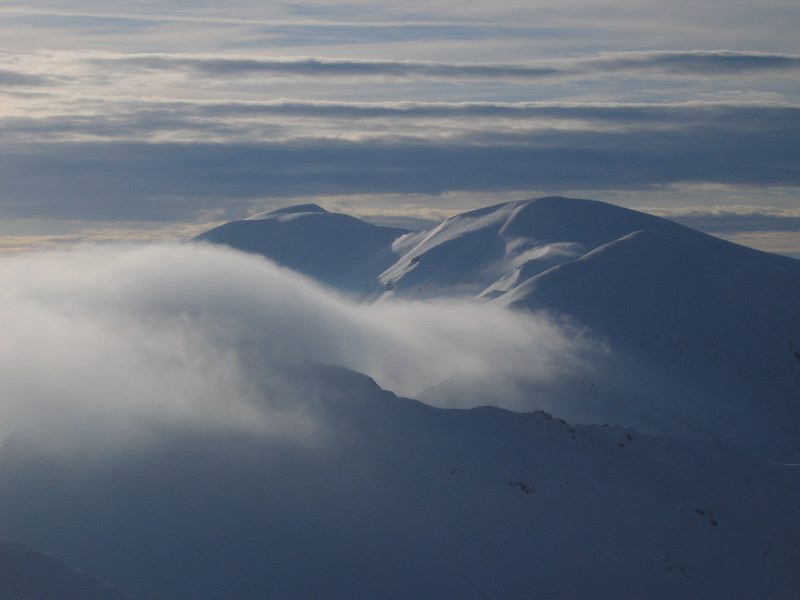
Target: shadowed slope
[
  {"x": 335, "y": 249},
  {"x": 29, "y": 575},
  {"x": 395, "y": 499}
]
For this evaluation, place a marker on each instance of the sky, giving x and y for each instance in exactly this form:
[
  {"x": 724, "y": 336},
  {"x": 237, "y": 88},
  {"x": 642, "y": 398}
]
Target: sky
[{"x": 154, "y": 120}]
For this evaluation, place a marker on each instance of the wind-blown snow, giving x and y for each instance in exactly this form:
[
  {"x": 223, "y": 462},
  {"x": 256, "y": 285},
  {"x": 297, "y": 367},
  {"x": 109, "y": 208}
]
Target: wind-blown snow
[{"x": 492, "y": 249}]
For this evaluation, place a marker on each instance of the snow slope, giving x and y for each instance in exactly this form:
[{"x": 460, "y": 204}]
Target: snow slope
[
  {"x": 489, "y": 251},
  {"x": 481, "y": 252},
  {"x": 29, "y": 575},
  {"x": 715, "y": 325},
  {"x": 338, "y": 250},
  {"x": 703, "y": 338},
  {"x": 396, "y": 499}
]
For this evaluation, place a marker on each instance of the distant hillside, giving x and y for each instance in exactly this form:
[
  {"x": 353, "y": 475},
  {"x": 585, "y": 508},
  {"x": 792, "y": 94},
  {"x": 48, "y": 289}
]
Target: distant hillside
[
  {"x": 338, "y": 250},
  {"x": 29, "y": 575},
  {"x": 394, "y": 499}
]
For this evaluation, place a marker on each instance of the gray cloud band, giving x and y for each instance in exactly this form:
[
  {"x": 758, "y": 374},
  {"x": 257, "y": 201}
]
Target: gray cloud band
[
  {"x": 236, "y": 121},
  {"x": 691, "y": 64},
  {"x": 617, "y": 113},
  {"x": 14, "y": 79},
  {"x": 730, "y": 221},
  {"x": 169, "y": 181}
]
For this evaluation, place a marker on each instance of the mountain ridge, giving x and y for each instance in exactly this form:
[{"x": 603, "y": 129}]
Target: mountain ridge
[
  {"x": 399, "y": 499},
  {"x": 336, "y": 249}
]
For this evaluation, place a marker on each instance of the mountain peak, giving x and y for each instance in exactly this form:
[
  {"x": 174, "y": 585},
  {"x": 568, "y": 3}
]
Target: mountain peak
[
  {"x": 333, "y": 248},
  {"x": 288, "y": 210},
  {"x": 552, "y": 202}
]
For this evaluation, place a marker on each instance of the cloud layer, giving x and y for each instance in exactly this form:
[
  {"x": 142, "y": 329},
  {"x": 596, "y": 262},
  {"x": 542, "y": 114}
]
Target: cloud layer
[
  {"x": 171, "y": 181},
  {"x": 210, "y": 135},
  {"x": 722, "y": 63},
  {"x": 740, "y": 219}
]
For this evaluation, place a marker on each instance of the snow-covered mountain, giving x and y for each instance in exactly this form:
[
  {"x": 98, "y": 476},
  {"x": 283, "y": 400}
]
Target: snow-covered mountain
[
  {"x": 489, "y": 251},
  {"x": 703, "y": 335},
  {"x": 715, "y": 325},
  {"x": 483, "y": 252},
  {"x": 26, "y": 574},
  {"x": 180, "y": 438},
  {"x": 396, "y": 499},
  {"x": 336, "y": 249}
]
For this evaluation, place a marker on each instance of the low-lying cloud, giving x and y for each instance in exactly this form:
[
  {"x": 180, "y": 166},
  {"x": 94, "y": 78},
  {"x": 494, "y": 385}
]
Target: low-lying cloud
[{"x": 201, "y": 336}]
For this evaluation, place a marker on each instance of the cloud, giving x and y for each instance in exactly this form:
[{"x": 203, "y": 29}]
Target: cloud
[
  {"x": 597, "y": 113},
  {"x": 696, "y": 63},
  {"x": 700, "y": 63},
  {"x": 173, "y": 136},
  {"x": 208, "y": 337},
  {"x": 296, "y": 15},
  {"x": 778, "y": 242},
  {"x": 15, "y": 79},
  {"x": 328, "y": 67},
  {"x": 735, "y": 219},
  {"x": 167, "y": 181},
  {"x": 441, "y": 31},
  {"x": 283, "y": 120}
]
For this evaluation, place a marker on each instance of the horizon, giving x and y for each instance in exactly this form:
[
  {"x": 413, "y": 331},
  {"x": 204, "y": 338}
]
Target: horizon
[{"x": 727, "y": 223}]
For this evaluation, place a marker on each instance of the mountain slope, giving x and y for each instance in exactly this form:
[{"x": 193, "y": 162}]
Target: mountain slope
[
  {"x": 338, "y": 250},
  {"x": 719, "y": 323},
  {"x": 489, "y": 251},
  {"x": 395, "y": 499},
  {"x": 29, "y": 575},
  {"x": 486, "y": 251}
]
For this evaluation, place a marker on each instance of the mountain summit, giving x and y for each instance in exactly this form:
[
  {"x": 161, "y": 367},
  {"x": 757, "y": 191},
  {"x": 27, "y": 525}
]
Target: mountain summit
[
  {"x": 489, "y": 251},
  {"x": 335, "y": 249}
]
